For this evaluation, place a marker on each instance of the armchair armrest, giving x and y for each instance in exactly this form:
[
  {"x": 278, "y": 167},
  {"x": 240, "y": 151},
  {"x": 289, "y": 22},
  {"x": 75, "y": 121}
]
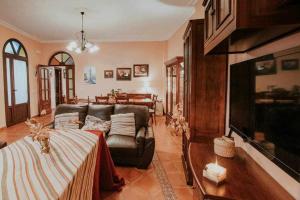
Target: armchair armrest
[
  {"x": 140, "y": 140},
  {"x": 148, "y": 149}
]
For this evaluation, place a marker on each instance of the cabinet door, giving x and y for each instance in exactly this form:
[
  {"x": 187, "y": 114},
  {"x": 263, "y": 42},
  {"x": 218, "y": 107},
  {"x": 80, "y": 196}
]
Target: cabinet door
[
  {"x": 224, "y": 12},
  {"x": 209, "y": 20}
]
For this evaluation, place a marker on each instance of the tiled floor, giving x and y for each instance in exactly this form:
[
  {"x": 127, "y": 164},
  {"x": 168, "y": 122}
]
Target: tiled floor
[{"x": 140, "y": 184}]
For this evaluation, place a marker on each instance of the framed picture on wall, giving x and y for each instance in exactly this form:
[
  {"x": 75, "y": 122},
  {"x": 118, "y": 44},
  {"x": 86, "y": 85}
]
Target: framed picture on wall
[
  {"x": 89, "y": 75},
  {"x": 290, "y": 64},
  {"x": 123, "y": 74},
  {"x": 140, "y": 70},
  {"x": 265, "y": 67},
  {"x": 108, "y": 73}
]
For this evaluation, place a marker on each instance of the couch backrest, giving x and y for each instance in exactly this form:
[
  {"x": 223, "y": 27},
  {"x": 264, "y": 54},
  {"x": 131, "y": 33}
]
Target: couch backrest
[
  {"x": 105, "y": 111},
  {"x": 141, "y": 113},
  {"x": 69, "y": 108},
  {"x": 101, "y": 111}
]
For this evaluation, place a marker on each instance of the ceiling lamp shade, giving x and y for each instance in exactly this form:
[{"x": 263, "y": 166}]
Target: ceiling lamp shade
[{"x": 82, "y": 44}]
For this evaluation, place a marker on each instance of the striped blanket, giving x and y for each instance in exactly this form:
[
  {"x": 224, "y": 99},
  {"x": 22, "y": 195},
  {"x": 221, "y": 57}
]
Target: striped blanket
[{"x": 67, "y": 172}]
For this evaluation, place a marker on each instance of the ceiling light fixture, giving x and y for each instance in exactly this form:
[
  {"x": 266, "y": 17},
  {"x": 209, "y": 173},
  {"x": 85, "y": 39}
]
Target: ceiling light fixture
[{"x": 82, "y": 44}]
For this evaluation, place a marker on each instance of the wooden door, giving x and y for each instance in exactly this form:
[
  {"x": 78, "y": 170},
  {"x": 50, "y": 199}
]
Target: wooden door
[
  {"x": 16, "y": 89},
  {"x": 44, "y": 90}
]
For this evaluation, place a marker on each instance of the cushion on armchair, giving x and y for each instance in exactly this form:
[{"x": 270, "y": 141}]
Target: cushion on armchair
[
  {"x": 94, "y": 123},
  {"x": 141, "y": 114},
  {"x": 123, "y": 124},
  {"x": 66, "y": 121},
  {"x": 67, "y": 108}
]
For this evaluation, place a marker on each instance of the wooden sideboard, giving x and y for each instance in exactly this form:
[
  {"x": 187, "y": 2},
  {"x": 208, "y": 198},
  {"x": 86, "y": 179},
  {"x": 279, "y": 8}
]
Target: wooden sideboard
[
  {"x": 246, "y": 180},
  {"x": 233, "y": 26}
]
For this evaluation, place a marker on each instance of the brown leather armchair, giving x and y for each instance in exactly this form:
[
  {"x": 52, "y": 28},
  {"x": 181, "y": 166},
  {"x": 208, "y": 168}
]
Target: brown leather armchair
[{"x": 125, "y": 150}]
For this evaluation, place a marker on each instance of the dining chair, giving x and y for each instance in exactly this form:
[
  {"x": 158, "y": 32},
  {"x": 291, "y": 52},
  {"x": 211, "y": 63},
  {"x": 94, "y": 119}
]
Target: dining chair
[
  {"x": 101, "y": 100},
  {"x": 122, "y": 99},
  {"x": 152, "y": 110}
]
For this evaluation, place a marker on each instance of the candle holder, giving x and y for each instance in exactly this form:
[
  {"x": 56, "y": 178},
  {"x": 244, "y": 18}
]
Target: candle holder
[{"x": 215, "y": 172}]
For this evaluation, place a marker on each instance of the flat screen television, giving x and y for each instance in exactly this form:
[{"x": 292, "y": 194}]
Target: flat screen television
[{"x": 265, "y": 106}]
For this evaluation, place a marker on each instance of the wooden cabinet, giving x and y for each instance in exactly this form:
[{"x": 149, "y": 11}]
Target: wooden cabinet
[
  {"x": 236, "y": 26},
  {"x": 175, "y": 83},
  {"x": 205, "y": 84},
  {"x": 245, "y": 180},
  {"x": 204, "y": 90}
]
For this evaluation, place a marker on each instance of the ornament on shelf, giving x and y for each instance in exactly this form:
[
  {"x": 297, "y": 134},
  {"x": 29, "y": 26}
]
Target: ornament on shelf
[{"x": 178, "y": 123}]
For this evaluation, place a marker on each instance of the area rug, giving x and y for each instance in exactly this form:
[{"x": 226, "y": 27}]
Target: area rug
[{"x": 164, "y": 182}]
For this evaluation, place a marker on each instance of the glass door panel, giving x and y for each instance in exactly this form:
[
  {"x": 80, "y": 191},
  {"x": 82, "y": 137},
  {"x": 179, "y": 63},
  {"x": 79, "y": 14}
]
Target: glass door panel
[
  {"x": 20, "y": 82},
  {"x": 8, "y": 79},
  {"x": 181, "y": 83},
  {"x": 174, "y": 87},
  {"x": 169, "y": 89}
]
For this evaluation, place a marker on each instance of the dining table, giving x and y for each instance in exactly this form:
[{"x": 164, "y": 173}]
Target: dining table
[{"x": 133, "y": 101}]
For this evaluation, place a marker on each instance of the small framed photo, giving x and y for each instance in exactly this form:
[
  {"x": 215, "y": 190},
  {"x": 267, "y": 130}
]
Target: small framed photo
[
  {"x": 124, "y": 74},
  {"x": 141, "y": 70},
  {"x": 290, "y": 64},
  {"x": 108, "y": 73},
  {"x": 265, "y": 67}
]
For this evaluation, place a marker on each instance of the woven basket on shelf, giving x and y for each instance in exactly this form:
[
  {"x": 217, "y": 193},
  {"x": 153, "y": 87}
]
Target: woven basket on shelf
[{"x": 224, "y": 146}]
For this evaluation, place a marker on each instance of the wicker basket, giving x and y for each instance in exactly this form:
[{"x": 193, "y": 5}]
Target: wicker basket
[{"x": 224, "y": 146}]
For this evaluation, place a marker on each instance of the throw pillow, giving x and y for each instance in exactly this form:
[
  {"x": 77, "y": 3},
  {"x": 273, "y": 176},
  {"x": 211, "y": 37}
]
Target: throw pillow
[
  {"x": 95, "y": 123},
  {"x": 123, "y": 124},
  {"x": 66, "y": 121}
]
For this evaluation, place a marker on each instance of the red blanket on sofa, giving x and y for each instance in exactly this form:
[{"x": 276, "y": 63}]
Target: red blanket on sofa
[{"x": 106, "y": 177}]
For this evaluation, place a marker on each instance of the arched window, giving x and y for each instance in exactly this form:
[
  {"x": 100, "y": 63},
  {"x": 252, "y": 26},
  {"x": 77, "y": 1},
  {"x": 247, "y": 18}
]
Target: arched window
[
  {"x": 16, "y": 84},
  {"x": 61, "y": 59}
]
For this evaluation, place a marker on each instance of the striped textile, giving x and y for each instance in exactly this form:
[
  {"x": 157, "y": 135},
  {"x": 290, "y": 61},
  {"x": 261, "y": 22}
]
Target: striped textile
[
  {"x": 123, "y": 124},
  {"x": 67, "y": 172},
  {"x": 66, "y": 121}
]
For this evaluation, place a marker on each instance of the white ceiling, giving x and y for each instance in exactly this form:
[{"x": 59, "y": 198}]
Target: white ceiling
[{"x": 105, "y": 20}]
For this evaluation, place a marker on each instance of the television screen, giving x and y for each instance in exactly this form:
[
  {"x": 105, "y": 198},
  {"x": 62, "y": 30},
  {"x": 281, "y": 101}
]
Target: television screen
[{"x": 265, "y": 106}]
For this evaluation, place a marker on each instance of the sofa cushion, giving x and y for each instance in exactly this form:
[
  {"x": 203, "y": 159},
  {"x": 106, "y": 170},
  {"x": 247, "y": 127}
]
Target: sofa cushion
[
  {"x": 66, "y": 121},
  {"x": 68, "y": 108},
  {"x": 123, "y": 124},
  {"x": 95, "y": 123},
  {"x": 141, "y": 114},
  {"x": 121, "y": 145},
  {"x": 101, "y": 111}
]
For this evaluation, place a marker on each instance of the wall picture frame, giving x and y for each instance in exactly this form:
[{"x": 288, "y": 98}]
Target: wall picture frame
[
  {"x": 124, "y": 74},
  {"x": 89, "y": 75},
  {"x": 290, "y": 64},
  {"x": 108, "y": 73},
  {"x": 265, "y": 67},
  {"x": 140, "y": 70}
]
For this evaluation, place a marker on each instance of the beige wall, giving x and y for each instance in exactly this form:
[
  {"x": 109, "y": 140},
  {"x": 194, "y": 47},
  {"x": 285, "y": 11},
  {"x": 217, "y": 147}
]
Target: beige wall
[
  {"x": 175, "y": 43},
  {"x": 111, "y": 56},
  {"x": 290, "y": 184},
  {"x": 33, "y": 49}
]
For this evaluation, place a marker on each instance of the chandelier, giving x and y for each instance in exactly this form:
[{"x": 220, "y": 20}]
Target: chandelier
[{"x": 82, "y": 44}]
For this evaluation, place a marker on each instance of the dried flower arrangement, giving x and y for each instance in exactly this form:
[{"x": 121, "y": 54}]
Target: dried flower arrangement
[
  {"x": 39, "y": 133},
  {"x": 178, "y": 123}
]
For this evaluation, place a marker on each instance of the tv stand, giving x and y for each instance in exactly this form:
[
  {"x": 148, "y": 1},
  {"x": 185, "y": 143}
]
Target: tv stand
[{"x": 245, "y": 178}]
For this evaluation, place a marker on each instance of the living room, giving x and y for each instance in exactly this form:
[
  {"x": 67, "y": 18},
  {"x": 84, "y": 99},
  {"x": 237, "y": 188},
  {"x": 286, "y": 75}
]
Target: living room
[{"x": 152, "y": 85}]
